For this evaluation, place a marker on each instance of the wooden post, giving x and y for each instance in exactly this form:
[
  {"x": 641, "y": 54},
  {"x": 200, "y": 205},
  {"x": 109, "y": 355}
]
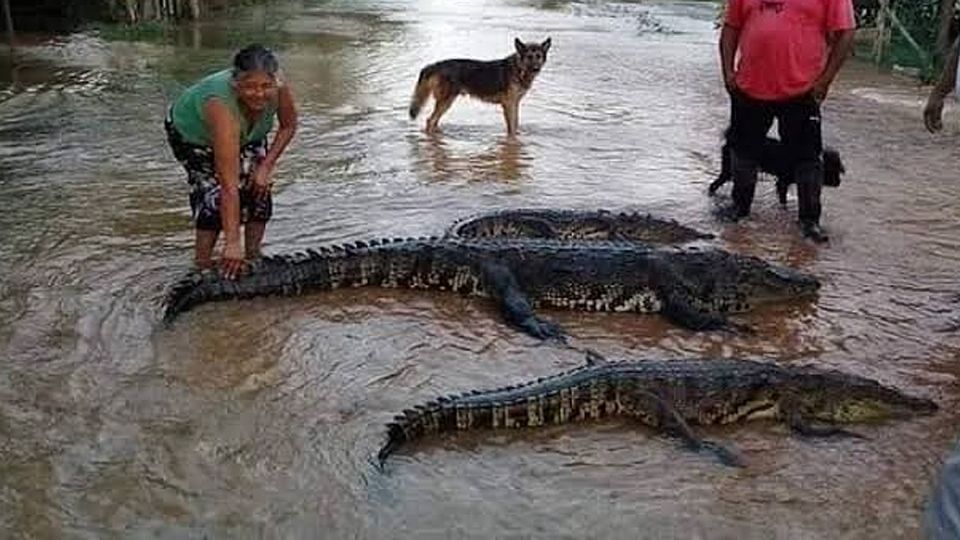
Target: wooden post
[
  {"x": 132, "y": 16},
  {"x": 913, "y": 43},
  {"x": 881, "y": 38},
  {"x": 9, "y": 21}
]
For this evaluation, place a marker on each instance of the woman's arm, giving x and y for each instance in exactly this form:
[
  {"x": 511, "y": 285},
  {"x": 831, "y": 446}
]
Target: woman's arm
[
  {"x": 226, "y": 159},
  {"x": 287, "y": 114}
]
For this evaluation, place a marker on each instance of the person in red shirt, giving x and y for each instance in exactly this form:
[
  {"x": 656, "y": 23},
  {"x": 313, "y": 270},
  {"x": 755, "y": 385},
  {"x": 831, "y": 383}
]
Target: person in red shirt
[{"x": 789, "y": 53}]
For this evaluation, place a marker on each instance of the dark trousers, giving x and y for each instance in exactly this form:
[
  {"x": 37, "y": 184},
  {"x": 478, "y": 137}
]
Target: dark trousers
[{"x": 798, "y": 122}]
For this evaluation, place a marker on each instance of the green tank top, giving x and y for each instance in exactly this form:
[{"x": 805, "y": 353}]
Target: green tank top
[{"x": 187, "y": 113}]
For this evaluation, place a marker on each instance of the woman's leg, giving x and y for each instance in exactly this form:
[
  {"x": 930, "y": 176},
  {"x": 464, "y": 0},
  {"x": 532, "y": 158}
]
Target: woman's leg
[
  {"x": 204, "y": 194},
  {"x": 203, "y": 248},
  {"x": 253, "y": 237},
  {"x": 255, "y": 212}
]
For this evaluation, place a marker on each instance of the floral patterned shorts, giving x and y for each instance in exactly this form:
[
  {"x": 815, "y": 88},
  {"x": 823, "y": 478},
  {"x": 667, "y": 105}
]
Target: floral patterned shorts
[{"x": 205, "y": 192}]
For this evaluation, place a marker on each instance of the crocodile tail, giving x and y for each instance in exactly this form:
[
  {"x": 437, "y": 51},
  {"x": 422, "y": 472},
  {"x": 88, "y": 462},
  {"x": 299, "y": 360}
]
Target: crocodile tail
[
  {"x": 271, "y": 275},
  {"x": 438, "y": 416},
  {"x": 185, "y": 294},
  {"x": 485, "y": 409},
  {"x": 329, "y": 267}
]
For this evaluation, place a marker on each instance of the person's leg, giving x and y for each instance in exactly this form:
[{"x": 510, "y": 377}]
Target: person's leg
[
  {"x": 749, "y": 122},
  {"x": 252, "y": 238},
  {"x": 254, "y": 212},
  {"x": 204, "y": 193},
  {"x": 205, "y": 206},
  {"x": 203, "y": 248},
  {"x": 801, "y": 134}
]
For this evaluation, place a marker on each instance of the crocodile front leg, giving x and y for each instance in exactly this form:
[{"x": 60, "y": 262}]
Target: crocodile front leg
[
  {"x": 677, "y": 305},
  {"x": 793, "y": 415},
  {"x": 673, "y": 423},
  {"x": 516, "y": 308}
]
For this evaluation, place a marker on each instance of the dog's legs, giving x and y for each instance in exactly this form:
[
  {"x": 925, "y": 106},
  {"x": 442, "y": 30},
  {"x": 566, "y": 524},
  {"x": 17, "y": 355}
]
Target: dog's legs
[
  {"x": 782, "y": 187},
  {"x": 442, "y": 102},
  {"x": 726, "y": 169},
  {"x": 511, "y": 115}
]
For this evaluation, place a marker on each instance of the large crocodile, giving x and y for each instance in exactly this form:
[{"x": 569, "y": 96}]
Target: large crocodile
[
  {"x": 667, "y": 395},
  {"x": 695, "y": 287},
  {"x": 563, "y": 224}
]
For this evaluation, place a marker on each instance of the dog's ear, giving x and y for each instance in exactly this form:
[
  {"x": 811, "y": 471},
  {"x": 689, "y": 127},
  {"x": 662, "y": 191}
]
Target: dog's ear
[
  {"x": 545, "y": 45},
  {"x": 519, "y": 45}
]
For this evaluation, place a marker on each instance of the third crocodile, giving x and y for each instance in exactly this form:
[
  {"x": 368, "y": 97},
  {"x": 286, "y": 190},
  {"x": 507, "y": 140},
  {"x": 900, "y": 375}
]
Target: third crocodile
[
  {"x": 668, "y": 395},
  {"x": 564, "y": 224}
]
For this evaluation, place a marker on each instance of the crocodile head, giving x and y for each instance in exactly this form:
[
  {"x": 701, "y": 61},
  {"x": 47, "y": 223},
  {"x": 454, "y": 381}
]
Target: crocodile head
[
  {"x": 733, "y": 283},
  {"x": 762, "y": 281},
  {"x": 841, "y": 398}
]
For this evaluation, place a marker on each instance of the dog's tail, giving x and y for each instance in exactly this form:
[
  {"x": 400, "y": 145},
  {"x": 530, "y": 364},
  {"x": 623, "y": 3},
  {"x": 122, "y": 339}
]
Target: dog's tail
[{"x": 425, "y": 85}]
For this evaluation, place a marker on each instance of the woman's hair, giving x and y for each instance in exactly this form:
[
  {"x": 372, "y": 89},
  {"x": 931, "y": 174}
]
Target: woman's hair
[{"x": 255, "y": 57}]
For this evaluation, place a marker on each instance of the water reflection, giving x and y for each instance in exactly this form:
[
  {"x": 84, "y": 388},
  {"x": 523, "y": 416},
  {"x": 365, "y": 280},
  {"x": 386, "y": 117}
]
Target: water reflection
[{"x": 452, "y": 156}]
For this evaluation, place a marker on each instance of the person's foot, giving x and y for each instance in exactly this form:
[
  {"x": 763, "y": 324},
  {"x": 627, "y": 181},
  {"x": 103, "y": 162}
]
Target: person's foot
[
  {"x": 202, "y": 265},
  {"x": 732, "y": 213},
  {"x": 715, "y": 185},
  {"x": 814, "y": 232}
]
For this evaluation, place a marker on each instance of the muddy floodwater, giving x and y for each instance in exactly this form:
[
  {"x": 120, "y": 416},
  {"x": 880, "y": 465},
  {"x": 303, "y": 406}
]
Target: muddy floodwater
[{"x": 258, "y": 419}]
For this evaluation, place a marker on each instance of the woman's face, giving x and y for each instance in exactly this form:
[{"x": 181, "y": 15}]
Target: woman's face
[{"x": 255, "y": 89}]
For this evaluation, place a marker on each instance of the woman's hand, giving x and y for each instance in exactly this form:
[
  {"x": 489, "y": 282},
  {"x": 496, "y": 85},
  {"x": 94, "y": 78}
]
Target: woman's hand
[
  {"x": 231, "y": 261},
  {"x": 260, "y": 181}
]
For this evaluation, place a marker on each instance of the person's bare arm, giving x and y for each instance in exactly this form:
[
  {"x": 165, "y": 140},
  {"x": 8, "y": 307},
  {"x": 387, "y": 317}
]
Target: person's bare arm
[
  {"x": 841, "y": 43},
  {"x": 226, "y": 157},
  {"x": 287, "y": 115},
  {"x": 933, "y": 112},
  {"x": 729, "y": 39}
]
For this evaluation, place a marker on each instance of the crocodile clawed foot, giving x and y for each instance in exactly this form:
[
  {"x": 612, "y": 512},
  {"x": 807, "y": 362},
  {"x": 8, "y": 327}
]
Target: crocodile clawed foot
[
  {"x": 594, "y": 358},
  {"x": 543, "y": 329},
  {"x": 725, "y": 455},
  {"x": 824, "y": 432},
  {"x": 739, "y": 328}
]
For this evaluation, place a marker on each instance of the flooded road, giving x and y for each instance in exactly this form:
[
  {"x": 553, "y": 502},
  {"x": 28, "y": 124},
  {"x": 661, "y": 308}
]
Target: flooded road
[{"x": 258, "y": 419}]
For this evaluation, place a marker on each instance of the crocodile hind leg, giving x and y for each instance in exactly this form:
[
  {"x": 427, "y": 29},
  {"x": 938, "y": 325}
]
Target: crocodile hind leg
[
  {"x": 677, "y": 307},
  {"x": 673, "y": 423},
  {"x": 514, "y": 304}
]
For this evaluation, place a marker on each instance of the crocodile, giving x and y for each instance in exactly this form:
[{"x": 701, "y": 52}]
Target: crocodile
[
  {"x": 668, "y": 396},
  {"x": 565, "y": 224},
  {"x": 695, "y": 287}
]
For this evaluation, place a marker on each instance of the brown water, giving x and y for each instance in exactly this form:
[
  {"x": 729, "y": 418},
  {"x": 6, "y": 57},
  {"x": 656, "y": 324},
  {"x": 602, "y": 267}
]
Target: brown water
[{"x": 258, "y": 419}]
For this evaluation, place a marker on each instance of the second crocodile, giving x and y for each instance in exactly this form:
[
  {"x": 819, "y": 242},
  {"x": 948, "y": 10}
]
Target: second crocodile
[{"x": 692, "y": 286}]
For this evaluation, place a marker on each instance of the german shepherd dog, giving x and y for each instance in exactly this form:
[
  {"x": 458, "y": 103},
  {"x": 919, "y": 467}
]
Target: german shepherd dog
[
  {"x": 774, "y": 161},
  {"x": 503, "y": 81}
]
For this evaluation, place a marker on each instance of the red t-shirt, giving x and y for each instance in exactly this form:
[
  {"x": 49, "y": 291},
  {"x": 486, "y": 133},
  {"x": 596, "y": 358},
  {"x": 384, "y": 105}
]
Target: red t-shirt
[{"x": 783, "y": 43}]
